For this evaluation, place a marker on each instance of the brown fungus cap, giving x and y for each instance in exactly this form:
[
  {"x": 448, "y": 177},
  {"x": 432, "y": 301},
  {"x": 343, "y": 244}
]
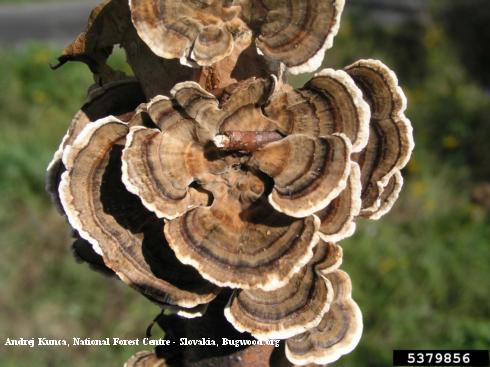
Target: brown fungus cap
[
  {"x": 200, "y": 32},
  {"x": 390, "y": 139},
  {"x": 114, "y": 98},
  {"x": 387, "y": 198},
  {"x": 129, "y": 238},
  {"x": 338, "y": 218},
  {"x": 308, "y": 172},
  {"x": 163, "y": 113},
  {"x": 296, "y": 32},
  {"x": 329, "y": 103},
  {"x": 157, "y": 168},
  {"x": 289, "y": 310},
  {"x": 338, "y": 332},
  {"x": 242, "y": 246}
]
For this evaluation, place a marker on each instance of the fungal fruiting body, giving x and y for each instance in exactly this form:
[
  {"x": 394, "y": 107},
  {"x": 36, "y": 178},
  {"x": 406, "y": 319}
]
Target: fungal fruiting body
[{"x": 200, "y": 175}]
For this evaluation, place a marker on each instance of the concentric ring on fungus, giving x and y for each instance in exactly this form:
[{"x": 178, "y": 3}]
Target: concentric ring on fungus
[
  {"x": 129, "y": 238},
  {"x": 337, "y": 334},
  {"x": 289, "y": 310},
  {"x": 390, "y": 141}
]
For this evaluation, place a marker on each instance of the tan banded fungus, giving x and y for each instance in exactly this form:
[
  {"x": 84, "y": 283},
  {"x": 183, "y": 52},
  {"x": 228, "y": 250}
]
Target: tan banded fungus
[
  {"x": 196, "y": 32},
  {"x": 297, "y": 32},
  {"x": 329, "y": 103},
  {"x": 387, "y": 197},
  {"x": 390, "y": 139},
  {"x": 115, "y": 98},
  {"x": 338, "y": 218},
  {"x": 155, "y": 167},
  {"x": 289, "y": 310},
  {"x": 253, "y": 247},
  {"x": 129, "y": 238},
  {"x": 337, "y": 334},
  {"x": 308, "y": 173},
  {"x": 222, "y": 175}
]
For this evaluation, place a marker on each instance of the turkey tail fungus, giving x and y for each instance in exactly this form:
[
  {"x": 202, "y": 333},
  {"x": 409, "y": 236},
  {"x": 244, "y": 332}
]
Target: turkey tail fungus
[{"x": 217, "y": 190}]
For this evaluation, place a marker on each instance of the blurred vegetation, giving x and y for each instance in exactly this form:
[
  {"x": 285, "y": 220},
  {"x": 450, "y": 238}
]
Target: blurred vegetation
[
  {"x": 17, "y": 2},
  {"x": 467, "y": 23},
  {"x": 420, "y": 274}
]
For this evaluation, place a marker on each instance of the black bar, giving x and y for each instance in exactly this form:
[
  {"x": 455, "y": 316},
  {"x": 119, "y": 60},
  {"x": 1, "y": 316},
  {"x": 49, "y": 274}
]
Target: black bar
[{"x": 475, "y": 358}]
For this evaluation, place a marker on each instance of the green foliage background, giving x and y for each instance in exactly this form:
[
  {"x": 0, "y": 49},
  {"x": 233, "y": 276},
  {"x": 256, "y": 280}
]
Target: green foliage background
[{"x": 420, "y": 274}]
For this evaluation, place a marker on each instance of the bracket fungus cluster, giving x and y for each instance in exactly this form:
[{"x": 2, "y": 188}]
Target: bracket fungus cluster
[{"x": 206, "y": 174}]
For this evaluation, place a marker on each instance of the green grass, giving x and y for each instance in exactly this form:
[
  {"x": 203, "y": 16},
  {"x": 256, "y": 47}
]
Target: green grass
[{"x": 420, "y": 274}]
